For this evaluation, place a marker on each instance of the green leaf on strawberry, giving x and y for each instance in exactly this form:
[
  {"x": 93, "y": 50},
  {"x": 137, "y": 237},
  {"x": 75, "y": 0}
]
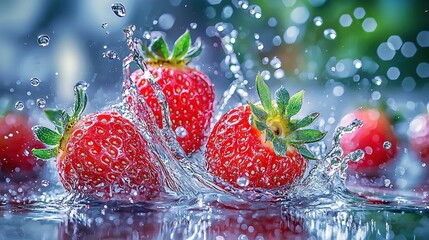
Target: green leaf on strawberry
[
  {"x": 281, "y": 129},
  {"x": 63, "y": 122}
]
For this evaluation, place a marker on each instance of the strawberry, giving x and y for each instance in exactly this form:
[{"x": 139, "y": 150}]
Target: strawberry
[
  {"x": 376, "y": 138},
  {"x": 188, "y": 91},
  {"x": 419, "y": 136},
  {"x": 101, "y": 155},
  {"x": 260, "y": 146},
  {"x": 16, "y": 141}
]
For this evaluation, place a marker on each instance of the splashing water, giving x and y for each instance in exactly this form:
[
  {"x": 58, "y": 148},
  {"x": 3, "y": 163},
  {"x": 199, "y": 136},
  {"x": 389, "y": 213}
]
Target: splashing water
[{"x": 185, "y": 178}]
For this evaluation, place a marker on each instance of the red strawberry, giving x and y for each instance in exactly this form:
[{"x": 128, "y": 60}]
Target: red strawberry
[
  {"x": 253, "y": 146},
  {"x": 188, "y": 91},
  {"x": 101, "y": 155},
  {"x": 376, "y": 138},
  {"x": 16, "y": 141},
  {"x": 419, "y": 136}
]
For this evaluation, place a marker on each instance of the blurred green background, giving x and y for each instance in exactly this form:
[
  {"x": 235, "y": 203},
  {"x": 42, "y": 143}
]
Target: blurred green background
[{"x": 338, "y": 46}]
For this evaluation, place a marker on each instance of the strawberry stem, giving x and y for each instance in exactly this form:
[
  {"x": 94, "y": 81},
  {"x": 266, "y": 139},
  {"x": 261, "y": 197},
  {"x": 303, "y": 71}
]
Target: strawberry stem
[
  {"x": 276, "y": 122},
  {"x": 62, "y": 121}
]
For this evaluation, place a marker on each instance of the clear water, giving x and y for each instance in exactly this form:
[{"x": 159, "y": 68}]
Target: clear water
[{"x": 326, "y": 204}]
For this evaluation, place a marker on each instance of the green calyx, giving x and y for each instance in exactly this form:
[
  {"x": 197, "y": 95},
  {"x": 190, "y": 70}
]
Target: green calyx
[
  {"x": 183, "y": 50},
  {"x": 63, "y": 123},
  {"x": 274, "y": 119}
]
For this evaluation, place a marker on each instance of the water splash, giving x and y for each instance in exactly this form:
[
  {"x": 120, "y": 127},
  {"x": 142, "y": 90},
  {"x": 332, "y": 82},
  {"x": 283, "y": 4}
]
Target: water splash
[
  {"x": 228, "y": 36},
  {"x": 181, "y": 177}
]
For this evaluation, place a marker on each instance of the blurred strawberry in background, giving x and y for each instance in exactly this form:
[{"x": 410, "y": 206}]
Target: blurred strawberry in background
[
  {"x": 16, "y": 141},
  {"x": 376, "y": 138}
]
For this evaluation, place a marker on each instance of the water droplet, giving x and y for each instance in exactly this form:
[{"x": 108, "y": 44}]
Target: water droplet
[
  {"x": 255, "y": 11},
  {"x": 34, "y": 82},
  {"x": 259, "y": 45},
  {"x": 129, "y": 31},
  {"x": 19, "y": 105},
  {"x": 104, "y": 25},
  {"x": 181, "y": 132},
  {"x": 266, "y": 75},
  {"x": 43, "y": 40},
  {"x": 193, "y": 25},
  {"x": 26, "y": 153},
  {"x": 243, "y": 4},
  {"x": 356, "y": 155},
  {"x": 265, "y": 60},
  {"x": 423, "y": 164},
  {"x": 41, "y": 102},
  {"x": 318, "y": 21},
  {"x": 275, "y": 62},
  {"x": 387, "y": 145},
  {"x": 110, "y": 54},
  {"x": 119, "y": 9},
  {"x": 357, "y": 63},
  {"x": 146, "y": 35},
  {"x": 377, "y": 80},
  {"x": 330, "y": 34},
  {"x": 243, "y": 181},
  {"x": 45, "y": 182},
  {"x": 387, "y": 182},
  {"x": 346, "y": 20},
  {"x": 82, "y": 85}
]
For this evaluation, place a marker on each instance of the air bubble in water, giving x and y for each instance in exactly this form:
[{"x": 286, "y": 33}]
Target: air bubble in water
[
  {"x": 243, "y": 181},
  {"x": 255, "y": 11},
  {"x": 387, "y": 145},
  {"x": 19, "y": 105},
  {"x": 41, "y": 102},
  {"x": 104, "y": 25},
  {"x": 330, "y": 34},
  {"x": 110, "y": 54},
  {"x": 193, "y": 25},
  {"x": 34, "y": 82},
  {"x": 45, "y": 182},
  {"x": 181, "y": 132},
  {"x": 318, "y": 21},
  {"x": 119, "y": 9},
  {"x": 43, "y": 40}
]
